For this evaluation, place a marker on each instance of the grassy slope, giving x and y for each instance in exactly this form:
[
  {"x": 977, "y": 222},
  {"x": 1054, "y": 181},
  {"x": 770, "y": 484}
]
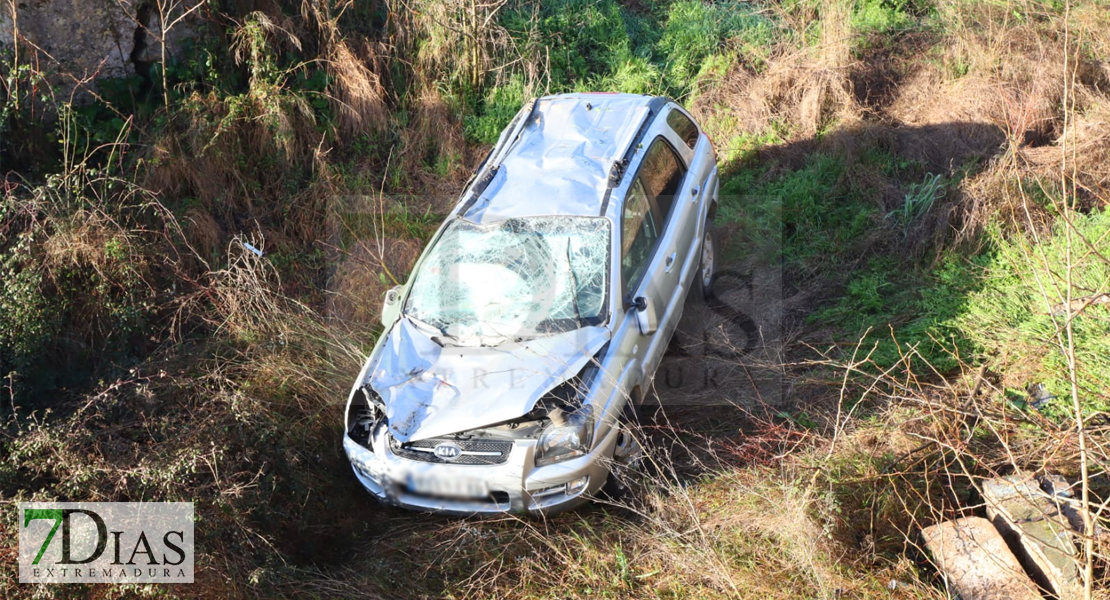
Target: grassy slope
[{"x": 885, "y": 154}]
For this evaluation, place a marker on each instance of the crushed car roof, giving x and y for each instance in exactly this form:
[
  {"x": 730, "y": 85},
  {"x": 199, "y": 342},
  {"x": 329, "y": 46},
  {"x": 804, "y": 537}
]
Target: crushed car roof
[{"x": 561, "y": 162}]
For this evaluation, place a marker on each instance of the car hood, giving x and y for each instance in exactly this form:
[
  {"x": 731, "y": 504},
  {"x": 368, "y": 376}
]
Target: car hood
[{"x": 431, "y": 390}]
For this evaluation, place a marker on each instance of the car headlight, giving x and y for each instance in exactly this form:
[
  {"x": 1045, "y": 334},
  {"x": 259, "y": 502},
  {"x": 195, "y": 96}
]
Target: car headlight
[{"x": 567, "y": 439}]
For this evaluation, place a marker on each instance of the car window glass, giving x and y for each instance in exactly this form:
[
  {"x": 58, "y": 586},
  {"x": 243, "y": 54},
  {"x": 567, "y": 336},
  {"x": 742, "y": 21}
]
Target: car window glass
[
  {"x": 521, "y": 277},
  {"x": 684, "y": 127},
  {"x": 662, "y": 173},
  {"x": 638, "y": 234}
]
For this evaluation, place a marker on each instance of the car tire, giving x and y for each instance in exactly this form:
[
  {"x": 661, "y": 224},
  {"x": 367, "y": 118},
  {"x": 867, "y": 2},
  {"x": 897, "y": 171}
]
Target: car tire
[
  {"x": 702, "y": 287},
  {"x": 627, "y": 457}
]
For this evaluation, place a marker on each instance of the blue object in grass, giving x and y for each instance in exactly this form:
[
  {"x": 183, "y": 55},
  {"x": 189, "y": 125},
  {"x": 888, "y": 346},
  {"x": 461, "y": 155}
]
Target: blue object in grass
[{"x": 253, "y": 249}]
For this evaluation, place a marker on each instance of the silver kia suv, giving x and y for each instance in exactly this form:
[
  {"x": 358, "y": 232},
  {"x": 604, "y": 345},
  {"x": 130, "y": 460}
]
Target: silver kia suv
[{"x": 535, "y": 319}]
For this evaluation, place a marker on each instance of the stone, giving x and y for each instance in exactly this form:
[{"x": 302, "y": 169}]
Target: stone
[
  {"x": 976, "y": 562},
  {"x": 1054, "y": 484},
  {"x": 76, "y": 42},
  {"x": 1062, "y": 494},
  {"x": 1038, "y": 530}
]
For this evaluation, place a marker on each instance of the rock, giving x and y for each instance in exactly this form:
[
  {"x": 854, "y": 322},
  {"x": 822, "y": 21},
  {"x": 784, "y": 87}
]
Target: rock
[
  {"x": 76, "y": 39},
  {"x": 976, "y": 562},
  {"x": 1062, "y": 494},
  {"x": 76, "y": 42},
  {"x": 1039, "y": 531},
  {"x": 1054, "y": 484}
]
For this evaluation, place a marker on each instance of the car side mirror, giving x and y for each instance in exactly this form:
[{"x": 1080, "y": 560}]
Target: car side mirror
[
  {"x": 645, "y": 315},
  {"x": 391, "y": 307}
]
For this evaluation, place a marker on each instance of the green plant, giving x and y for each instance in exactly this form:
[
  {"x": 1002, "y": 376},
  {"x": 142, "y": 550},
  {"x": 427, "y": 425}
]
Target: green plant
[
  {"x": 694, "y": 32},
  {"x": 495, "y": 111},
  {"x": 811, "y": 216},
  {"x": 880, "y": 16},
  {"x": 574, "y": 41},
  {"x": 903, "y": 308},
  {"x": 1014, "y": 319},
  {"x": 919, "y": 199}
]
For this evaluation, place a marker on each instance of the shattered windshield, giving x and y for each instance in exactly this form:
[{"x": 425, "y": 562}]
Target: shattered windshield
[{"x": 515, "y": 279}]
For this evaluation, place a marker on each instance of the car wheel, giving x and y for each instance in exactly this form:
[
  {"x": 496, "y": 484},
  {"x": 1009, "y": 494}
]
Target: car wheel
[
  {"x": 707, "y": 267},
  {"x": 628, "y": 457}
]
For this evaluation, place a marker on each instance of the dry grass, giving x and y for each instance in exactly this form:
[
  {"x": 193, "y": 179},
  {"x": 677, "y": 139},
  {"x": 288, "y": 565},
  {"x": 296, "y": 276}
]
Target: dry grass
[
  {"x": 249, "y": 430},
  {"x": 804, "y": 91}
]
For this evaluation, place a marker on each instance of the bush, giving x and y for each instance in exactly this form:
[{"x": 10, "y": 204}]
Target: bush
[
  {"x": 1016, "y": 318},
  {"x": 78, "y": 291},
  {"x": 494, "y": 113},
  {"x": 574, "y": 40},
  {"x": 695, "y": 31}
]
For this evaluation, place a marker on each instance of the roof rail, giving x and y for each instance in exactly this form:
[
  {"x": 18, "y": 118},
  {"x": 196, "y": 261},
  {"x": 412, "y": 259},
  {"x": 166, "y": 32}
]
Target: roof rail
[{"x": 617, "y": 170}]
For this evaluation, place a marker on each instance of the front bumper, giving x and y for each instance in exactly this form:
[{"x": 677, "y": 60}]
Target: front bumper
[{"x": 514, "y": 486}]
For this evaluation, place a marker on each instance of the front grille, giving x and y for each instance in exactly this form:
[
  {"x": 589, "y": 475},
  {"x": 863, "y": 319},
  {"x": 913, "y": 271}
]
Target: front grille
[{"x": 473, "y": 452}]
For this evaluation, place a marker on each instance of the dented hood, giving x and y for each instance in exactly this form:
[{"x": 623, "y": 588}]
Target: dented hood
[{"x": 431, "y": 390}]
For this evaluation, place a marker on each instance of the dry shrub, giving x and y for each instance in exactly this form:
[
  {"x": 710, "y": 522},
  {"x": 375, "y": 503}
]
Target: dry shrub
[
  {"x": 1006, "y": 71},
  {"x": 357, "y": 94},
  {"x": 83, "y": 239},
  {"x": 355, "y": 90},
  {"x": 1012, "y": 81},
  {"x": 358, "y": 286},
  {"x": 460, "y": 38},
  {"x": 790, "y": 519},
  {"x": 806, "y": 90},
  {"x": 796, "y": 90},
  {"x": 433, "y": 133},
  {"x": 229, "y": 190},
  {"x": 1085, "y": 145},
  {"x": 203, "y": 232}
]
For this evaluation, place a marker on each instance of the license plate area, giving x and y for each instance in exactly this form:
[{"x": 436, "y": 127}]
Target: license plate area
[{"x": 446, "y": 487}]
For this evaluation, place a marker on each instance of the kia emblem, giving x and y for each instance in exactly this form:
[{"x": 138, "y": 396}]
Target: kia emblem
[{"x": 448, "y": 451}]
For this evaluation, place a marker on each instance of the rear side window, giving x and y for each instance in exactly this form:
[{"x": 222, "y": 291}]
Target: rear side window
[
  {"x": 684, "y": 127},
  {"x": 662, "y": 172}
]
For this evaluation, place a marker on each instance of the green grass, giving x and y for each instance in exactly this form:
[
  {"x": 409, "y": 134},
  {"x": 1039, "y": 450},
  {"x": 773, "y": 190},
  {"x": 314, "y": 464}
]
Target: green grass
[
  {"x": 810, "y": 217},
  {"x": 494, "y": 112},
  {"x": 881, "y": 16},
  {"x": 695, "y": 31},
  {"x": 919, "y": 308},
  {"x": 588, "y": 45},
  {"x": 1015, "y": 318}
]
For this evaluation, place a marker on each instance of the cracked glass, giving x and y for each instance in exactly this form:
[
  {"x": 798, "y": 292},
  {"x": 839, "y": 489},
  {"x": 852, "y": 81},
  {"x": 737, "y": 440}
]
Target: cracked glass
[{"x": 520, "y": 278}]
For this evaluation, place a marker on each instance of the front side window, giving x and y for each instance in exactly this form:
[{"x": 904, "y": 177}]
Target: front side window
[
  {"x": 639, "y": 231},
  {"x": 521, "y": 278}
]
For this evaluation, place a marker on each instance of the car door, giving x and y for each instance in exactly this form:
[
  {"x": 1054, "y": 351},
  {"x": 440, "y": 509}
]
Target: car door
[
  {"x": 654, "y": 245},
  {"x": 696, "y": 190}
]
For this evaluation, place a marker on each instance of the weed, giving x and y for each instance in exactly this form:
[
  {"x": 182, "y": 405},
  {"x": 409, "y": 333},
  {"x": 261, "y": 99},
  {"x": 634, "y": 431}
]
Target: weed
[
  {"x": 1014, "y": 319},
  {"x": 498, "y": 107},
  {"x": 918, "y": 201},
  {"x": 694, "y": 33},
  {"x": 880, "y": 16}
]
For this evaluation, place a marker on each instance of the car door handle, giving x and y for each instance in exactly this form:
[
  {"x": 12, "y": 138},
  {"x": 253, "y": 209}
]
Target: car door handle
[
  {"x": 669, "y": 264},
  {"x": 694, "y": 192}
]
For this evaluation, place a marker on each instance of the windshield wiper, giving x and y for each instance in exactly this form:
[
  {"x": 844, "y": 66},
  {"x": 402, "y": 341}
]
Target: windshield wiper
[{"x": 440, "y": 333}]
